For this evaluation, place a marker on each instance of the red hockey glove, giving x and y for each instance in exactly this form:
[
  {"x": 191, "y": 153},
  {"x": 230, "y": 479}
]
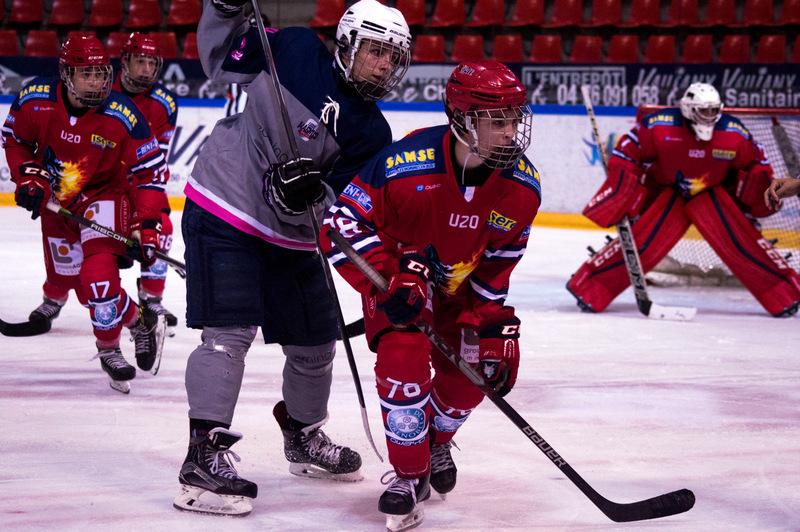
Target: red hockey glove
[
  {"x": 33, "y": 188},
  {"x": 147, "y": 233},
  {"x": 498, "y": 359},
  {"x": 750, "y": 188},
  {"x": 407, "y": 295}
]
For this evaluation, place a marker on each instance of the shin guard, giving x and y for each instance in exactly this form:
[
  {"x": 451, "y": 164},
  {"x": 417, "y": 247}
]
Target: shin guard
[
  {"x": 154, "y": 277},
  {"x": 109, "y": 306}
]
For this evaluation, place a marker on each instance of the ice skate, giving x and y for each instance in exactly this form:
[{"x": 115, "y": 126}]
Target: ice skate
[
  {"x": 117, "y": 368},
  {"x": 402, "y": 501},
  {"x": 48, "y": 310},
  {"x": 153, "y": 303},
  {"x": 209, "y": 482},
  {"x": 148, "y": 335},
  {"x": 311, "y": 453},
  {"x": 443, "y": 469}
]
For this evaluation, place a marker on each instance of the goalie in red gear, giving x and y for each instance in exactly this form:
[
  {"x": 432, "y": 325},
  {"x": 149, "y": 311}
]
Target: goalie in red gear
[
  {"x": 444, "y": 214},
  {"x": 681, "y": 166},
  {"x": 77, "y": 142}
]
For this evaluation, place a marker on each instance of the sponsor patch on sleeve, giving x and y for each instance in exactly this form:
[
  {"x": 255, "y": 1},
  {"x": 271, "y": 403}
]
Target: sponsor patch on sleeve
[
  {"x": 145, "y": 149},
  {"x": 358, "y": 195}
]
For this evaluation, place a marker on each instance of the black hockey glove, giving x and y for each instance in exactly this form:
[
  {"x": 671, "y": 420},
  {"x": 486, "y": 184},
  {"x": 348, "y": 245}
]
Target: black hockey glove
[
  {"x": 228, "y": 7},
  {"x": 33, "y": 188},
  {"x": 293, "y": 185}
]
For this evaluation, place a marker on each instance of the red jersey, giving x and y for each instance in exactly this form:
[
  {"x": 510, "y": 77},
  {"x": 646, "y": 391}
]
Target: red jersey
[
  {"x": 160, "y": 106},
  {"x": 408, "y": 196},
  {"x": 86, "y": 155}
]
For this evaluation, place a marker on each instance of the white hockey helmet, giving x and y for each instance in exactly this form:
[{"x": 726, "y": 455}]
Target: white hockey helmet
[
  {"x": 702, "y": 106},
  {"x": 379, "y": 25}
]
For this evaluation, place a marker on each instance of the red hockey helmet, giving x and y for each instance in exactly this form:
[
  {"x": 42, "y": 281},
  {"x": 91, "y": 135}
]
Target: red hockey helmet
[
  {"x": 488, "y": 110},
  {"x": 85, "y": 69},
  {"x": 141, "y": 62}
]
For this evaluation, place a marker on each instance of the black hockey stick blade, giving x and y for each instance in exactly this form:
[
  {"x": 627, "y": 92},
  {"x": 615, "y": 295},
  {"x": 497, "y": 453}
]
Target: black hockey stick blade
[
  {"x": 25, "y": 328},
  {"x": 355, "y": 328},
  {"x": 675, "y": 502}
]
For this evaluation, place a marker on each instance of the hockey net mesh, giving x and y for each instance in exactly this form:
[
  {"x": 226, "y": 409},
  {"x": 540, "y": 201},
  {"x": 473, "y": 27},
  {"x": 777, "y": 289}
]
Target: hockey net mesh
[{"x": 692, "y": 261}]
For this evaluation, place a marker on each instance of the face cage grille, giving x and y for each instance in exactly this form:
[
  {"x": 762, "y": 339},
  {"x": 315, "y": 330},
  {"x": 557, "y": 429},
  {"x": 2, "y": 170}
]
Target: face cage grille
[
  {"x": 140, "y": 83},
  {"x": 496, "y": 155},
  {"x": 375, "y": 90},
  {"x": 89, "y": 98}
]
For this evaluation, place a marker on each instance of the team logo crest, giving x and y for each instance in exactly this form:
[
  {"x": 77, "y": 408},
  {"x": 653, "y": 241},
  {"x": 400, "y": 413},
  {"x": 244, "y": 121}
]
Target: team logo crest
[
  {"x": 406, "y": 423},
  {"x": 105, "y": 314},
  {"x": 308, "y": 130}
]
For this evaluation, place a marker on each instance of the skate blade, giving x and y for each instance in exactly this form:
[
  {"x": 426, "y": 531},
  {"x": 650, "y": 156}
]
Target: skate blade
[
  {"x": 397, "y": 523},
  {"x": 312, "y": 471},
  {"x": 171, "y": 331},
  {"x": 120, "y": 386},
  {"x": 161, "y": 332},
  {"x": 194, "y": 499}
]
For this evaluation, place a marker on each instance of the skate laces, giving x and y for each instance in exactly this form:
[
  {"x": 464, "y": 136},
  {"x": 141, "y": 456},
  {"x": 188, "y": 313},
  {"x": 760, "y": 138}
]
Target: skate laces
[
  {"x": 140, "y": 334},
  {"x": 321, "y": 447},
  {"x": 112, "y": 358},
  {"x": 441, "y": 460},
  {"x": 155, "y": 306},
  {"x": 221, "y": 463},
  {"x": 401, "y": 486},
  {"x": 48, "y": 309}
]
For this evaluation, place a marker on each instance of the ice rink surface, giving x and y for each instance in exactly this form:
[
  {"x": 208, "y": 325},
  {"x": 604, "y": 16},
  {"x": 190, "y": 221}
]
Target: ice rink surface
[{"x": 638, "y": 407}]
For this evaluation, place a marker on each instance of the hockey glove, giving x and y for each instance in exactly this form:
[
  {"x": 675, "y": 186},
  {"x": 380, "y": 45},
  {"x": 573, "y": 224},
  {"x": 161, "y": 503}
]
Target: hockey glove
[
  {"x": 498, "y": 359},
  {"x": 33, "y": 188},
  {"x": 622, "y": 194},
  {"x": 407, "y": 295},
  {"x": 147, "y": 233},
  {"x": 293, "y": 185},
  {"x": 228, "y": 7},
  {"x": 750, "y": 188}
]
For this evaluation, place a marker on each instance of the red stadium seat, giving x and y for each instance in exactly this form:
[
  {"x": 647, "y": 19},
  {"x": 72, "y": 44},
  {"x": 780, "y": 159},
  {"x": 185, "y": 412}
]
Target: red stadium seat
[
  {"x": 546, "y": 49},
  {"x": 566, "y": 13},
  {"x": 41, "y": 43},
  {"x": 734, "y": 49},
  {"x": 527, "y": 13},
  {"x": 507, "y": 48},
  {"x": 790, "y": 13},
  {"x": 78, "y": 33},
  {"x": 116, "y": 40},
  {"x": 184, "y": 13},
  {"x": 586, "y": 49},
  {"x": 190, "y": 46},
  {"x": 487, "y": 13},
  {"x": 27, "y": 12},
  {"x": 467, "y": 48},
  {"x": 9, "y": 43},
  {"x": 698, "y": 49},
  {"x": 643, "y": 13},
  {"x": 720, "y": 13},
  {"x": 606, "y": 13},
  {"x": 105, "y": 14},
  {"x": 683, "y": 13},
  {"x": 429, "y": 49},
  {"x": 327, "y": 14},
  {"x": 143, "y": 14},
  {"x": 623, "y": 49},
  {"x": 758, "y": 13},
  {"x": 168, "y": 43},
  {"x": 771, "y": 49},
  {"x": 66, "y": 13},
  {"x": 413, "y": 11},
  {"x": 796, "y": 51},
  {"x": 448, "y": 13},
  {"x": 660, "y": 49}
]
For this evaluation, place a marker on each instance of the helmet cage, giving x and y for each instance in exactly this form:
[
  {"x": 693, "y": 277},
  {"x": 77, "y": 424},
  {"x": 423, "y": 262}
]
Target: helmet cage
[
  {"x": 87, "y": 97},
  {"x": 475, "y": 128},
  {"x": 358, "y": 74},
  {"x": 701, "y": 106},
  {"x": 139, "y": 83}
]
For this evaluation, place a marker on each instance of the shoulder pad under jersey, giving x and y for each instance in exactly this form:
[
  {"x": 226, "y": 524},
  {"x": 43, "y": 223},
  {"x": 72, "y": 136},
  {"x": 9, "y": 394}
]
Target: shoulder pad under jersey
[
  {"x": 122, "y": 108},
  {"x": 39, "y": 89}
]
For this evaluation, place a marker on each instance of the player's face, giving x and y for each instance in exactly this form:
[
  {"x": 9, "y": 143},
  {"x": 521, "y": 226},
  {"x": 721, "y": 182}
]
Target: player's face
[
  {"x": 143, "y": 66},
  {"x": 91, "y": 83},
  {"x": 500, "y": 136},
  {"x": 497, "y": 127},
  {"x": 376, "y": 61}
]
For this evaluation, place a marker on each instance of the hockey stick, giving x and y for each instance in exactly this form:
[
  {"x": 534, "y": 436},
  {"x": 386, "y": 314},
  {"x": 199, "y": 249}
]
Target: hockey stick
[
  {"x": 25, "y": 328},
  {"x": 281, "y": 103},
  {"x": 630, "y": 253},
  {"x": 664, "y": 505},
  {"x": 178, "y": 266}
]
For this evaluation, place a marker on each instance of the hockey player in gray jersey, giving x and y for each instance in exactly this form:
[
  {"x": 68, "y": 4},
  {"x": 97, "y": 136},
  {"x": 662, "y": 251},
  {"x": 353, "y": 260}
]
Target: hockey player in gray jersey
[{"x": 250, "y": 246}]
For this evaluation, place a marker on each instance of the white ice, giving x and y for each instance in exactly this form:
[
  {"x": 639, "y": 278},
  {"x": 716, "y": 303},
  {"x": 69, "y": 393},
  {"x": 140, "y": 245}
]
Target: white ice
[{"x": 638, "y": 407}]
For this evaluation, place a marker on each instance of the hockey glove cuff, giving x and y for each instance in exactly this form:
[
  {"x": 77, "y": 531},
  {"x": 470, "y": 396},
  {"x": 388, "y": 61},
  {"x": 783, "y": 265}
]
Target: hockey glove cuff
[
  {"x": 293, "y": 185},
  {"x": 33, "y": 188},
  {"x": 407, "y": 295},
  {"x": 147, "y": 232},
  {"x": 228, "y": 7},
  {"x": 498, "y": 358}
]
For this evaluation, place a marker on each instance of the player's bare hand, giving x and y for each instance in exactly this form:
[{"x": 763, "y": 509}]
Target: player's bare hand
[{"x": 781, "y": 188}]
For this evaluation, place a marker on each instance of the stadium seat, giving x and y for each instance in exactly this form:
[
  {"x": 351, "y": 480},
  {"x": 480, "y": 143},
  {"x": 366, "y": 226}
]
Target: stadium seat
[
  {"x": 771, "y": 49},
  {"x": 184, "y": 13},
  {"x": 447, "y": 13},
  {"x": 586, "y": 49},
  {"x": 190, "y": 46},
  {"x": 527, "y": 13},
  {"x": 698, "y": 49},
  {"x": 660, "y": 49},
  {"x": 605, "y": 13},
  {"x": 546, "y": 49},
  {"x": 327, "y": 14},
  {"x": 9, "y": 43},
  {"x": 27, "y": 12},
  {"x": 116, "y": 40},
  {"x": 643, "y": 13},
  {"x": 566, "y": 13},
  {"x": 719, "y": 13},
  {"x": 734, "y": 49},
  {"x": 429, "y": 49},
  {"x": 487, "y": 13},
  {"x": 168, "y": 42},
  {"x": 757, "y": 13},
  {"x": 790, "y": 13},
  {"x": 507, "y": 48},
  {"x": 623, "y": 49},
  {"x": 796, "y": 51},
  {"x": 682, "y": 13},
  {"x": 467, "y": 48},
  {"x": 105, "y": 14},
  {"x": 75, "y": 34},
  {"x": 143, "y": 14},
  {"x": 41, "y": 43},
  {"x": 66, "y": 13},
  {"x": 413, "y": 11}
]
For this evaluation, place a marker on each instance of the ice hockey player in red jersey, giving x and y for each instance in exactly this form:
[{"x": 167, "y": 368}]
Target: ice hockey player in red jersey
[
  {"x": 681, "y": 166},
  {"x": 75, "y": 142},
  {"x": 444, "y": 215},
  {"x": 141, "y": 63}
]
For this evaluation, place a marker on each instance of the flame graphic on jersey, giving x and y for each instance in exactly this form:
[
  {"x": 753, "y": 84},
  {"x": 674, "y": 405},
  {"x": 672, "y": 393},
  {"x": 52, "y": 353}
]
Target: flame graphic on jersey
[
  {"x": 453, "y": 276},
  {"x": 691, "y": 186},
  {"x": 69, "y": 177}
]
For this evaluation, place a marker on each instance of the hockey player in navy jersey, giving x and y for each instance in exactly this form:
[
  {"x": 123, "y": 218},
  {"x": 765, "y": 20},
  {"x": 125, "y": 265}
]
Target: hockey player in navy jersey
[
  {"x": 444, "y": 215},
  {"x": 250, "y": 246}
]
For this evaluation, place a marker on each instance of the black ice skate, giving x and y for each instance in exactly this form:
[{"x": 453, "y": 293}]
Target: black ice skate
[
  {"x": 443, "y": 469},
  {"x": 402, "y": 501},
  {"x": 48, "y": 310},
  {"x": 118, "y": 369},
  {"x": 311, "y": 453},
  {"x": 153, "y": 303},
  {"x": 148, "y": 335},
  {"x": 209, "y": 482}
]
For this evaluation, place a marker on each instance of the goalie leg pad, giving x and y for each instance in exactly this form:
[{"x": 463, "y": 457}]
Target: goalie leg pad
[
  {"x": 604, "y": 276},
  {"x": 622, "y": 194},
  {"x": 750, "y": 256}
]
